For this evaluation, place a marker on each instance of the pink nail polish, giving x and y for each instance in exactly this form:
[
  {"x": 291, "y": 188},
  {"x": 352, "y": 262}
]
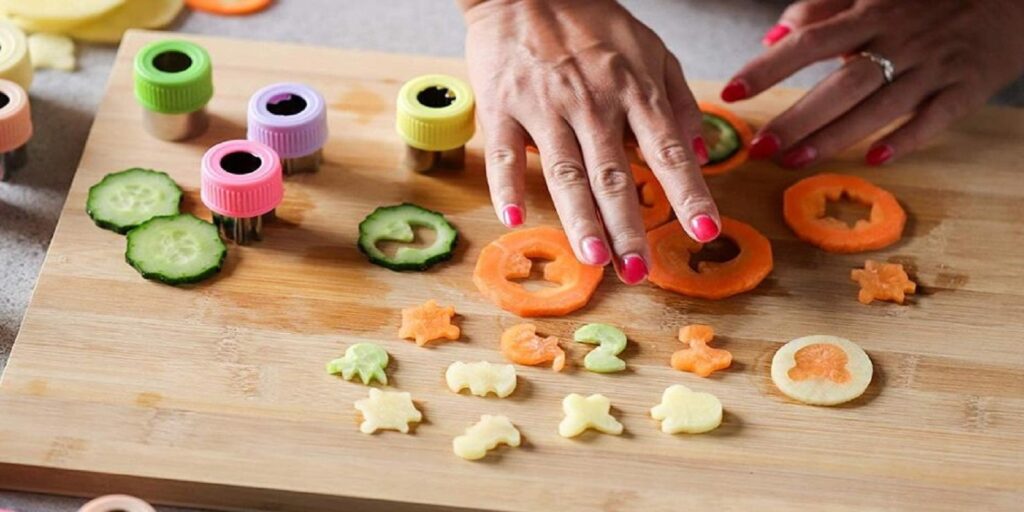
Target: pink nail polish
[
  {"x": 764, "y": 145},
  {"x": 512, "y": 216},
  {"x": 800, "y": 157},
  {"x": 704, "y": 228},
  {"x": 634, "y": 269},
  {"x": 595, "y": 251},
  {"x": 701, "y": 149},
  {"x": 735, "y": 90},
  {"x": 879, "y": 155},
  {"x": 776, "y": 33}
]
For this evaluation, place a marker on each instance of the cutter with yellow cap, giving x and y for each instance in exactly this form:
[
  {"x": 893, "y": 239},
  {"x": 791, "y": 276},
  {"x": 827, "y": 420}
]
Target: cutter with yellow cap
[
  {"x": 435, "y": 118},
  {"x": 14, "y": 60},
  {"x": 173, "y": 83},
  {"x": 15, "y": 128}
]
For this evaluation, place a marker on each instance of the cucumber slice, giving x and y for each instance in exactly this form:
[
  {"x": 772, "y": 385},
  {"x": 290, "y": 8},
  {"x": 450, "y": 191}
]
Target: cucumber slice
[
  {"x": 123, "y": 200},
  {"x": 396, "y": 223},
  {"x": 721, "y": 137},
  {"x": 176, "y": 249}
]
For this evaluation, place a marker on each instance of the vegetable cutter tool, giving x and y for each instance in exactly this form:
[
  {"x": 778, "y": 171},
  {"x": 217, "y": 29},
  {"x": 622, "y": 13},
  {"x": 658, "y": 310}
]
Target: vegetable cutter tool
[
  {"x": 15, "y": 128},
  {"x": 173, "y": 83},
  {"x": 292, "y": 120},
  {"x": 242, "y": 185},
  {"x": 435, "y": 118}
]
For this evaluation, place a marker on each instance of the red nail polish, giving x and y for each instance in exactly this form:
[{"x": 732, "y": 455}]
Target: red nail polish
[
  {"x": 634, "y": 269},
  {"x": 764, "y": 145},
  {"x": 704, "y": 228},
  {"x": 512, "y": 216},
  {"x": 776, "y": 33},
  {"x": 879, "y": 155},
  {"x": 595, "y": 251},
  {"x": 799, "y": 157},
  {"x": 701, "y": 149},
  {"x": 736, "y": 90}
]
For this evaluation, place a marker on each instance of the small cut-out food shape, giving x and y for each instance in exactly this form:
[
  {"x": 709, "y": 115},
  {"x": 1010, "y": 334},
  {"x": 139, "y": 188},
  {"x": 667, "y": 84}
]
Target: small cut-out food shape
[
  {"x": 387, "y": 410},
  {"x": 821, "y": 370},
  {"x": 582, "y": 412},
  {"x": 610, "y": 342},
  {"x": 672, "y": 249},
  {"x": 521, "y": 344},
  {"x": 883, "y": 281},
  {"x": 365, "y": 360},
  {"x": 727, "y": 137},
  {"x": 428, "y": 322},
  {"x": 804, "y": 208},
  {"x": 698, "y": 357},
  {"x": 654, "y": 206},
  {"x": 484, "y": 436},
  {"x": 683, "y": 410},
  {"x": 509, "y": 258},
  {"x": 481, "y": 378}
]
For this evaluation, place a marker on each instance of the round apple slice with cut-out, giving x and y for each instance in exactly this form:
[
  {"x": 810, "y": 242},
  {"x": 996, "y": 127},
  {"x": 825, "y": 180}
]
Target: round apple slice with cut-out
[{"x": 821, "y": 370}]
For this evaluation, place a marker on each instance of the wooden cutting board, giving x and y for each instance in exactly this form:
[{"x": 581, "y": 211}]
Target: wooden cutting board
[{"x": 216, "y": 395}]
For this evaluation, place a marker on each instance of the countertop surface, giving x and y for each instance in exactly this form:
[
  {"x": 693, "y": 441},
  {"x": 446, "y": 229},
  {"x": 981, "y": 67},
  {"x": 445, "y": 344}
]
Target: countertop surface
[{"x": 712, "y": 39}]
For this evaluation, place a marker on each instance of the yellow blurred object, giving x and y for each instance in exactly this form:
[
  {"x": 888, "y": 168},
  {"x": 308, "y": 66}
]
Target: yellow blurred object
[
  {"x": 435, "y": 113},
  {"x": 55, "y": 15},
  {"x": 14, "y": 60},
  {"x": 52, "y": 51},
  {"x": 133, "y": 14}
]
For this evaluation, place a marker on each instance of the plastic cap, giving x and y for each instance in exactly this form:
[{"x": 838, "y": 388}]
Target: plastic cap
[
  {"x": 290, "y": 118},
  {"x": 15, "y": 116},
  {"x": 173, "y": 77},
  {"x": 14, "y": 61},
  {"x": 435, "y": 113},
  {"x": 241, "y": 179}
]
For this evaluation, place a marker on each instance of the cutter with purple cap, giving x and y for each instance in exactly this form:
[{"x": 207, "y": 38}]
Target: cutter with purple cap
[
  {"x": 292, "y": 119},
  {"x": 242, "y": 185}
]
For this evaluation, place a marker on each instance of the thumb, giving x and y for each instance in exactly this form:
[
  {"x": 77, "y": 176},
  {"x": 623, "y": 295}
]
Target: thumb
[{"x": 801, "y": 14}]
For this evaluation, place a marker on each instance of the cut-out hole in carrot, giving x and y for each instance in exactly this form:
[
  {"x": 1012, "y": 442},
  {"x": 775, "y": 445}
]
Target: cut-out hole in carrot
[
  {"x": 654, "y": 205},
  {"x": 509, "y": 259},
  {"x": 883, "y": 281},
  {"x": 727, "y": 137},
  {"x": 805, "y": 211},
  {"x": 698, "y": 357},
  {"x": 428, "y": 322},
  {"x": 672, "y": 251},
  {"x": 521, "y": 344}
]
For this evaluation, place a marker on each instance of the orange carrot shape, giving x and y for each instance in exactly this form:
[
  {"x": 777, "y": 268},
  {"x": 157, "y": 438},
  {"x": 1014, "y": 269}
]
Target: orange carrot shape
[
  {"x": 882, "y": 281},
  {"x": 743, "y": 132},
  {"x": 654, "y": 206},
  {"x": 521, "y": 344},
  {"x": 698, "y": 357},
  {"x": 428, "y": 322}
]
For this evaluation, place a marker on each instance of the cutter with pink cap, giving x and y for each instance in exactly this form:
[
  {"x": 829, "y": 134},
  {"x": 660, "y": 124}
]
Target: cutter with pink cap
[
  {"x": 15, "y": 128},
  {"x": 242, "y": 185},
  {"x": 292, "y": 119}
]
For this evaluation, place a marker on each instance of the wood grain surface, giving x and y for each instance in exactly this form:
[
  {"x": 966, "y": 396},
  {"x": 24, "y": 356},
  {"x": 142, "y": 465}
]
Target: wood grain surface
[{"x": 216, "y": 395}]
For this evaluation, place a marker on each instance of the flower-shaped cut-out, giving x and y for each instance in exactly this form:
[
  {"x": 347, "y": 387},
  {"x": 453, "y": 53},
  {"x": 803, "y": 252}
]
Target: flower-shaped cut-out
[{"x": 883, "y": 281}]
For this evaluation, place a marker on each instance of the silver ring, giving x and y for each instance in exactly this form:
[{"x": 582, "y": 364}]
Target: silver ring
[{"x": 888, "y": 70}]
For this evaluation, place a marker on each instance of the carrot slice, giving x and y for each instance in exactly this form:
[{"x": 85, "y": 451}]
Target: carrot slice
[
  {"x": 229, "y": 7},
  {"x": 521, "y": 344},
  {"x": 672, "y": 248},
  {"x": 804, "y": 206},
  {"x": 654, "y": 206},
  {"x": 428, "y": 322},
  {"x": 508, "y": 258},
  {"x": 742, "y": 130},
  {"x": 882, "y": 281},
  {"x": 698, "y": 357}
]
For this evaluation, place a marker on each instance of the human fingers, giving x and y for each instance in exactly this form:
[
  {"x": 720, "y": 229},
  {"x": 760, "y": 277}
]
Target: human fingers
[
  {"x": 931, "y": 118},
  {"x": 801, "y": 14},
  {"x": 505, "y": 162}
]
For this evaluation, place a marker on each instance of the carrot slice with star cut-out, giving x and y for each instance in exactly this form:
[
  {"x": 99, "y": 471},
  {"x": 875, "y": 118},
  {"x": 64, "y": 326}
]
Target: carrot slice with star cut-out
[
  {"x": 428, "y": 322},
  {"x": 508, "y": 259},
  {"x": 727, "y": 137},
  {"x": 804, "y": 208},
  {"x": 521, "y": 344},
  {"x": 672, "y": 250},
  {"x": 654, "y": 206},
  {"x": 882, "y": 281},
  {"x": 698, "y": 357}
]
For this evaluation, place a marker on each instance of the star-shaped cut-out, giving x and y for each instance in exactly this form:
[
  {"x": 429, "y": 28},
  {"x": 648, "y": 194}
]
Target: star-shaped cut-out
[
  {"x": 882, "y": 281},
  {"x": 683, "y": 410},
  {"x": 481, "y": 378},
  {"x": 366, "y": 360},
  {"x": 387, "y": 410},
  {"x": 485, "y": 435},
  {"x": 428, "y": 322},
  {"x": 582, "y": 413}
]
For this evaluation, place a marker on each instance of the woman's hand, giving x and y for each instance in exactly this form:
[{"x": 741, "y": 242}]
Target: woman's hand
[
  {"x": 949, "y": 57},
  {"x": 570, "y": 74}
]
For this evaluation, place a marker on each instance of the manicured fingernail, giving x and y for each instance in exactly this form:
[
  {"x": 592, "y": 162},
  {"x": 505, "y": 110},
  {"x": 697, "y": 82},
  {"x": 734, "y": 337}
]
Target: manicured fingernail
[
  {"x": 776, "y": 33},
  {"x": 799, "y": 157},
  {"x": 735, "y": 90},
  {"x": 595, "y": 251},
  {"x": 704, "y": 228},
  {"x": 879, "y": 154},
  {"x": 512, "y": 216},
  {"x": 764, "y": 145},
  {"x": 701, "y": 149},
  {"x": 634, "y": 269}
]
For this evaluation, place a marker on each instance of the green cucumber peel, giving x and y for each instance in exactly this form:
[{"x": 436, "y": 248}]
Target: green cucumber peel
[{"x": 610, "y": 341}]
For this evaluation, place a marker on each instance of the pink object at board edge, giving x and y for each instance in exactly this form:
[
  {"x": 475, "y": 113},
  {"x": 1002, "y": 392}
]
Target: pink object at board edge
[
  {"x": 292, "y": 136},
  {"x": 241, "y": 195},
  {"x": 117, "y": 502},
  {"x": 15, "y": 118}
]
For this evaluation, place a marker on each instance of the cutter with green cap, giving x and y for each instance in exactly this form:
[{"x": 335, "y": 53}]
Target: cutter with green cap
[
  {"x": 435, "y": 118},
  {"x": 173, "y": 83}
]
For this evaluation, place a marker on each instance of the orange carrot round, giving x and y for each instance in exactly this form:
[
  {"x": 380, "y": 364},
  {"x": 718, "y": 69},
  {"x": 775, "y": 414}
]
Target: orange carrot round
[
  {"x": 742, "y": 130},
  {"x": 654, "y": 206},
  {"x": 698, "y": 357},
  {"x": 671, "y": 250},
  {"x": 229, "y": 7},
  {"x": 804, "y": 206},
  {"x": 521, "y": 344}
]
